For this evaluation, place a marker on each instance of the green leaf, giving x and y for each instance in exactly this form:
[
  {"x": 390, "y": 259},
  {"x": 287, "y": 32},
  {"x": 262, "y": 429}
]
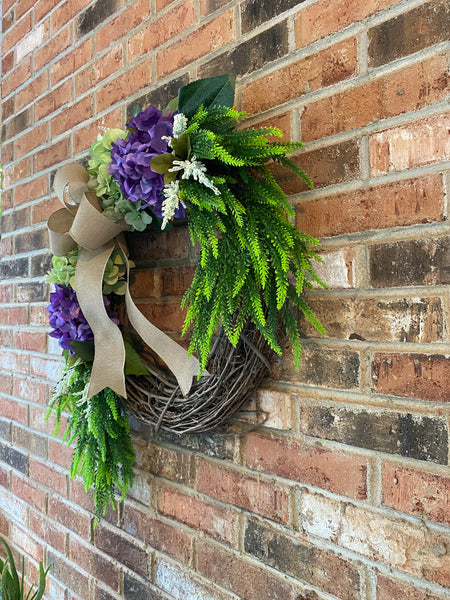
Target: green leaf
[
  {"x": 162, "y": 163},
  {"x": 133, "y": 362},
  {"x": 211, "y": 91},
  {"x": 173, "y": 105},
  {"x": 137, "y": 110},
  {"x": 11, "y": 578},
  {"x": 85, "y": 350},
  {"x": 182, "y": 146}
]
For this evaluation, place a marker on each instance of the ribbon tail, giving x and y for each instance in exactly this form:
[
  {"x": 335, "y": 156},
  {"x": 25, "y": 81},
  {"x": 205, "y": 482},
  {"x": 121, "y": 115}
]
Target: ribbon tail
[
  {"x": 109, "y": 358},
  {"x": 183, "y": 366}
]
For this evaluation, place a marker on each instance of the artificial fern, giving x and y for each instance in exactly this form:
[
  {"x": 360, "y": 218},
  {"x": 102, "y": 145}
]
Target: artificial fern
[
  {"x": 104, "y": 452},
  {"x": 253, "y": 261}
]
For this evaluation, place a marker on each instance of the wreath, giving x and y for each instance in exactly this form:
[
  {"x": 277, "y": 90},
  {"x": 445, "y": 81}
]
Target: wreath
[{"x": 188, "y": 162}]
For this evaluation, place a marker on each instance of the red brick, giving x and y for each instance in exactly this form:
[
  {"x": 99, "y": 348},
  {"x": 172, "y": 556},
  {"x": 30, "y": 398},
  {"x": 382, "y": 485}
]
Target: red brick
[
  {"x": 46, "y": 368},
  {"x": 70, "y": 516},
  {"x": 124, "y": 85},
  {"x": 25, "y": 542},
  {"x": 38, "y": 315},
  {"x": 240, "y": 576},
  {"x": 386, "y": 96},
  {"x": 391, "y": 205},
  {"x": 163, "y": 462},
  {"x": 161, "y": 4},
  {"x": 102, "y": 68},
  {"x": 410, "y": 146},
  {"x": 414, "y": 492},
  {"x": 78, "y": 495},
  {"x": 71, "y": 62},
  {"x": 23, "y": 7},
  {"x": 16, "y": 411},
  {"x": 339, "y": 473},
  {"x": 422, "y": 376},
  {"x": 34, "y": 341},
  {"x": 269, "y": 408},
  {"x": 42, "y": 211},
  {"x": 48, "y": 476},
  {"x": 162, "y": 30},
  {"x": 4, "y": 482},
  {"x": 5, "y": 290},
  {"x": 15, "y": 172},
  {"x": 282, "y": 122},
  {"x": 60, "y": 454},
  {"x": 207, "y": 38},
  {"x": 8, "y": 63},
  {"x": 117, "y": 546},
  {"x": 13, "y": 315},
  {"x": 51, "y": 534},
  {"x": 21, "y": 488},
  {"x": 16, "y": 33},
  {"x": 94, "y": 563},
  {"x": 6, "y": 383},
  {"x": 242, "y": 490},
  {"x": 32, "y": 91},
  {"x": 40, "y": 423},
  {"x": 81, "y": 111},
  {"x": 174, "y": 281},
  {"x": 144, "y": 284},
  {"x": 327, "y": 16},
  {"x": 51, "y": 156},
  {"x": 30, "y": 140},
  {"x": 66, "y": 12},
  {"x": 218, "y": 522},
  {"x": 13, "y": 507},
  {"x": 388, "y": 589},
  {"x": 166, "y": 537},
  {"x": 85, "y": 136},
  {"x": 57, "y": 44},
  {"x": 42, "y": 8},
  {"x": 167, "y": 316},
  {"x": 306, "y": 75},
  {"x": 34, "y": 189},
  {"x": 120, "y": 26},
  {"x": 56, "y": 98}
]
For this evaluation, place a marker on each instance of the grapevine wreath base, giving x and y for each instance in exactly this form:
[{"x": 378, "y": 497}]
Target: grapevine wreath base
[
  {"x": 189, "y": 162},
  {"x": 235, "y": 372}
]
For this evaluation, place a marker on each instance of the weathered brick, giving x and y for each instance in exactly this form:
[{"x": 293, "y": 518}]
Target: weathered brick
[
  {"x": 15, "y": 220},
  {"x": 30, "y": 440},
  {"x": 321, "y": 367},
  {"x": 240, "y": 576},
  {"x": 13, "y": 409},
  {"x": 325, "y": 166},
  {"x": 16, "y": 33},
  {"x": 338, "y": 269},
  {"x": 415, "y": 492},
  {"x": 156, "y": 33},
  {"x": 321, "y": 18},
  {"x": 163, "y": 536},
  {"x": 269, "y": 408},
  {"x": 163, "y": 462},
  {"x": 308, "y": 463},
  {"x": 121, "y": 549},
  {"x": 386, "y": 96},
  {"x": 55, "y": 46},
  {"x": 410, "y": 32},
  {"x": 390, "y": 205},
  {"x": 167, "y": 316},
  {"x": 126, "y": 21},
  {"x": 257, "y": 12},
  {"x": 16, "y": 125},
  {"x": 31, "y": 240},
  {"x": 209, "y": 443},
  {"x": 153, "y": 246},
  {"x": 22, "y": 538},
  {"x": 65, "y": 572},
  {"x": 252, "y": 54},
  {"x": 13, "y": 457},
  {"x": 409, "y": 146},
  {"x": 414, "y": 262},
  {"x": 14, "y": 361},
  {"x": 418, "y": 320},
  {"x": 303, "y": 76},
  {"x": 388, "y": 589},
  {"x": 97, "y": 12},
  {"x": 33, "y": 40},
  {"x": 66, "y": 12},
  {"x": 135, "y": 588},
  {"x": 243, "y": 490},
  {"x": 51, "y": 534},
  {"x": 160, "y": 96},
  {"x": 216, "y": 521},
  {"x": 14, "y": 172},
  {"x": 414, "y": 436},
  {"x": 324, "y": 570},
  {"x": 94, "y": 563},
  {"x": 31, "y": 292},
  {"x": 412, "y": 375},
  {"x": 206, "y": 39},
  {"x": 70, "y": 516}
]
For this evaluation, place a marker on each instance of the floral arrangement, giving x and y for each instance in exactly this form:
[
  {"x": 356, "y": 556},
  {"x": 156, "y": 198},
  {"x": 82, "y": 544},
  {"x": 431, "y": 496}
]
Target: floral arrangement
[{"x": 190, "y": 161}]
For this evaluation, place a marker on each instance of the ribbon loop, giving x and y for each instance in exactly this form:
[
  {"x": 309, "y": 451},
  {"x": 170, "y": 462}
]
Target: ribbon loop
[{"x": 82, "y": 222}]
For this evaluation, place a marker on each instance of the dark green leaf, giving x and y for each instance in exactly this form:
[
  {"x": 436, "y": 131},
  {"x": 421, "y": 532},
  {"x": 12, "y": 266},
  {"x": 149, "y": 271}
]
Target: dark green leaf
[
  {"x": 133, "y": 362},
  {"x": 162, "y": 163},
  {"x": 85, "y": 350},
  {"x": 211, "y": 91},
  {"x": 12, "y": 578},
  {"x": 182, "y": 146}
]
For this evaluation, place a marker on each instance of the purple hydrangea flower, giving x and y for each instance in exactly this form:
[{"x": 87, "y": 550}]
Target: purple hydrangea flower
[
  {"x": 130, "y": 159},
  {"x": 67, "y": 320}
]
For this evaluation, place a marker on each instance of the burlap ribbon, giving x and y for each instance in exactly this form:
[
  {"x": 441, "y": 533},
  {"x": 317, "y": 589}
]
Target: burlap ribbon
[{"x": 81, "y": 222}]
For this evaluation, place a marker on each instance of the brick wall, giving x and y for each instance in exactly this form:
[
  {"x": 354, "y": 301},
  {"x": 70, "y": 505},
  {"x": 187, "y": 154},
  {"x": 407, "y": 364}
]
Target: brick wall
[{"x": 344, "y": 491}]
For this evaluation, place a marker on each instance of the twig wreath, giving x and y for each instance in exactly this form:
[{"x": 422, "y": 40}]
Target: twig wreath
[{"x": 191, "y": 162}]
